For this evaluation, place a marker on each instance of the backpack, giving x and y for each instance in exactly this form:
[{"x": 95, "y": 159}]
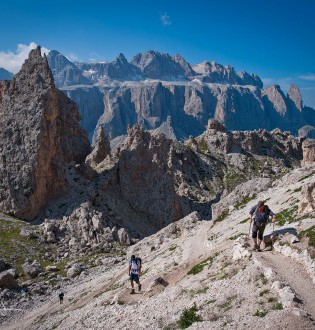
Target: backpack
[
  {"x": 261, "y": 215},
  {"x": 137, "y": 262}
]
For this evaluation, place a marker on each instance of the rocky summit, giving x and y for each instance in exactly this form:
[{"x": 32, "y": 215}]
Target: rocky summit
[
  {"x": 40, "y": 132},
  {"x": 166, "y": 94},
  {"x": 73, "y": 214}
]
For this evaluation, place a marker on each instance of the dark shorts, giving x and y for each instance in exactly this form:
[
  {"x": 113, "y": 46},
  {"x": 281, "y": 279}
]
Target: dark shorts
[
  {"x": 258, "y": 231},
  {"x": 134, "y": 277}
]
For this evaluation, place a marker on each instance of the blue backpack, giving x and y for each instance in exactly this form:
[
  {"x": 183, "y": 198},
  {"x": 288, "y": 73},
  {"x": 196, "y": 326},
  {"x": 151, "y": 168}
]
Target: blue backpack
[{"x": 261, "y": 215}]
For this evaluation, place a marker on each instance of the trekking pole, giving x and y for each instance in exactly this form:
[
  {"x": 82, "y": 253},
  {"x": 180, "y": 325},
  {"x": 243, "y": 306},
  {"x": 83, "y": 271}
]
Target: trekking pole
[
  {"x": 250, "y": 226},
  {"x": 273, "y": 228}
]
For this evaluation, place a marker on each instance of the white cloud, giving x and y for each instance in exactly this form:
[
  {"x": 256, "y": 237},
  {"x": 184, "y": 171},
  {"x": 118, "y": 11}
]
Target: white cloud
[
  {"x": 308, "y": 77},
  {"x": 12, "y": 61},
  {"x": 165, "y": 19}
]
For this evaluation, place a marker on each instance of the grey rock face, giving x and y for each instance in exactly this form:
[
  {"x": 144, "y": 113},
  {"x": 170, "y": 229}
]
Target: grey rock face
[
  {"x": 65, "y": 72},
  {"x": 186, "y": 108},
  {"x": 32, "y": 269},
  {"x": 307, "y": 131},
  {"x": 245, "y": 190},
  {"x": 5, "y": 75},
  {"x": 39, "y": 133},
  {"x": 295, "y": 96},
  {"x": 119, "y": 69},
  {"x": 156, "y": 65},
  {"x": 308, "y": 152},
  {"x": 7, "y": 279},
  {"x": 275, "y": 144},
  {"x": 213, "y": 72},
  {"x": 182, "y": 98},
  {"x": 91, "y": 105},
  {"x": 307, "y": 203}
]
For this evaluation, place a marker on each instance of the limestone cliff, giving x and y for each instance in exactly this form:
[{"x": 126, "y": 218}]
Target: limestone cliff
[{"x": 39, "y": 133}]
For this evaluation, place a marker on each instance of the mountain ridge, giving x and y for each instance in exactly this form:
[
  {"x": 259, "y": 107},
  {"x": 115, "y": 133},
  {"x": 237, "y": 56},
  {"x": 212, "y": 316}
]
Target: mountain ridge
[{"x": 164, "y": 93}]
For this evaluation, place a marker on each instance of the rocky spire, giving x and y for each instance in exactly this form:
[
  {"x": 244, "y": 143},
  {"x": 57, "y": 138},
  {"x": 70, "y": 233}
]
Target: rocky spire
[
  {"x": 101, "y": 148},
  {"x": 39, "y": 133},
  {"x": 295, "y": 96}
]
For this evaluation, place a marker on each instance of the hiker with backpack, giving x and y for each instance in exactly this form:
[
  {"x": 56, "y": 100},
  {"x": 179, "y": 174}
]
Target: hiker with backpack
[
  {"x": 61, "y": 295},
  {"x": 260, "y": 214},
  {"x": 134, "y": 272}
]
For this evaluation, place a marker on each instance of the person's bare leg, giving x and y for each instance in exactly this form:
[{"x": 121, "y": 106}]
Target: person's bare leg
[
  {"x": 255, "y": 243},
  {"x": 132, "y": 287}
]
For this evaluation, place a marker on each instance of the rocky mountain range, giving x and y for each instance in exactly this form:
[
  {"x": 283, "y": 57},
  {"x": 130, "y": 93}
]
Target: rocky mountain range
[
  {"x": 165, "y": 94},
  {"x": 89, "y": 206}
]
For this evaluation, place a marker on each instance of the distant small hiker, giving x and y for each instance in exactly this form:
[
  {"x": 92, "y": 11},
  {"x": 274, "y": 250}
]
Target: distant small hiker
[
  {"x": 134, "y": 272},
  {"x": 94, "y": 233},
  {"x": 260, "y": 214},
  {"x": 61, "y": 295}
]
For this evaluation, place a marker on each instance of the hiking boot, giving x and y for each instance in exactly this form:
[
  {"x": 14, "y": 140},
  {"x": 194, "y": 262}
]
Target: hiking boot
[
  {"x": 132, "y": 291},
  {"x": 255, "y": 248},
  {"x": 139, "y": 287},
  {"x": 258, "y": 249}
]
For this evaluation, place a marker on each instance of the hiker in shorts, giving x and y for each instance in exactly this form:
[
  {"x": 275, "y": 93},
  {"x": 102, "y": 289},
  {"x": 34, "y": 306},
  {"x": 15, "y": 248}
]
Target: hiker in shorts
[
  {"x": 61, "y": 295},
  {"x": 134, "y": 272},
  {"x": 260, "y": 214}
]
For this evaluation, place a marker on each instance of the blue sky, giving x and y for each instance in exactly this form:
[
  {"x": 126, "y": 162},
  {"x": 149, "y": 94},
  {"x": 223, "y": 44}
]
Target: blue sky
[{"x": 273, "y": 38}]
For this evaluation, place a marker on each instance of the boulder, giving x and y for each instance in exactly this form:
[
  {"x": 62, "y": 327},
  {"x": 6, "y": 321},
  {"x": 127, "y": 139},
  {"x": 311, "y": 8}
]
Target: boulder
[
  {"x": 286, "y": 294},
  {"x": 123, "y": 236},
  {"x": 32, "y": 269},
  {"x": 7, "y": 279},
  {"x": 240, "y": 249},
  {"x": 74, "y": 271}
]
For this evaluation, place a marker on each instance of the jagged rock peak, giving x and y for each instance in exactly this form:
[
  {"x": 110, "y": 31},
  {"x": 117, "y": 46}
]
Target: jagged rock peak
[
  {"x": 36, "y": 65},
  {"x": 101, "y": 148},
  {"x": 295, "y": 96},
  {"x": 39, "y": 134},
  {"x": 121, "y": 57}
]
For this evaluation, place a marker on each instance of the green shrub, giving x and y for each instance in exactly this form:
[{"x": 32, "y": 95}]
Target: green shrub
[
  {"x": 188, "y": 317},
  {"x": 262, "y": 293},
  {"x": 260, "y": 313},
  {"x": 222, "y": 216},
  {"x": 277, "y": 306},
  {"x": 173, "y": 248}
]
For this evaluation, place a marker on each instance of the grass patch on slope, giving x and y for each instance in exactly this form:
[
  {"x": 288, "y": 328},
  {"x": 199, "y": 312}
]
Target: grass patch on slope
[
  {"x": 287, "y": 215},
  {"x": 199, "y": 267},
  {"x": 15, "y": 248}
]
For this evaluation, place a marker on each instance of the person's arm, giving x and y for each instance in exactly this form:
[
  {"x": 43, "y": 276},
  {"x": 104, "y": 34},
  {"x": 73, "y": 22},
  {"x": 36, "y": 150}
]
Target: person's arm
[{"x": 129, "y": 269}]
